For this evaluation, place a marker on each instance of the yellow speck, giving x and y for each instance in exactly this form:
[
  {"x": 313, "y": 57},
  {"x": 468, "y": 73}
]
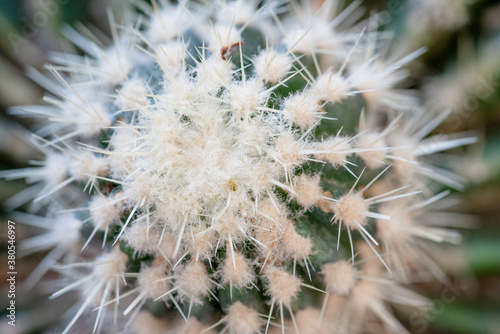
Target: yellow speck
[{"x": 232, "y": 185}]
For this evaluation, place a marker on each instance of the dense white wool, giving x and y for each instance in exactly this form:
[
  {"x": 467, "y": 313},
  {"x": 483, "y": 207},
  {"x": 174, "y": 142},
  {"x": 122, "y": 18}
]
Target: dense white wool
[
  {"x": 231, "y": 227},
  {"x": 270, "y": 236},
  {"x": 339, "y": 277},
  {"x": 255, "y": 135},
  {"x": 349, "y": 209},
  {"x": 110, "y": 267},
  {"x": 334, "y": 150},
  {"x": 272, "y": 66},
  {"x": 307, "y": 190},
  {"x": 247, "y": 97},
  {"x": 273, "y": 213},
  {"x": 132, "y": 95},
  {"x": 376, "y": 149},
  {"x": 164, "y": 131},
  {"x": 288, "y": 150},
  {"x": 282, "y": 286},
  {"x": 303, "y": 109},
  {"x": 193, "y": 282},
  {"x": 142, "y": 188},
  {"x": 270, "y": 230},
  {"x": 331, "y": 87},
  {"x": 262, "y": 173},
  {"x": 210, "y": 164},
  {"x": 164, "y": 242},
  {"x": 146, "y": 323},
  {"x": 214, "y": 72},
  {"x": 200, "y": 244},
  {"x": 106, "y": 211},
  {"x": 140, "y": 238},
  {"x": 153, "y": 281},
  {"x": 236, "y": 270},
  {"x": 179, "y": 93},
  {"x": 93, "y": 119},
  {"x": 243, "y": 320}
]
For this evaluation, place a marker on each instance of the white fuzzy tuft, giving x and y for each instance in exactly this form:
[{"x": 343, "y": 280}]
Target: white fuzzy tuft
[
  {"x": 272, "y": 66},
  {"x": 193, "y": 281},
  {"x": 281, "y": 285},
  {"x": 308, "y": 190},
  {"x": 340, "y": 277},
  {"x": 243, "y": 320},
  {"x": 349, "y": 209}
]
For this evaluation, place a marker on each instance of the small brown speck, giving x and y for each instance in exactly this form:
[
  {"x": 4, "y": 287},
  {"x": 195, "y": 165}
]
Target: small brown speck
[{"x": 226, "y": 50}]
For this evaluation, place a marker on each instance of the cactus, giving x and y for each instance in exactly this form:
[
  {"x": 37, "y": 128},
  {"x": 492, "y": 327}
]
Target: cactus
[{"x": 245, "y": 167}]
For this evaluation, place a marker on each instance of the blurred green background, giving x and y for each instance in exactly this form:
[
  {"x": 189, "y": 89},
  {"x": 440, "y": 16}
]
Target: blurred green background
[{"x": 467, "y": 56}]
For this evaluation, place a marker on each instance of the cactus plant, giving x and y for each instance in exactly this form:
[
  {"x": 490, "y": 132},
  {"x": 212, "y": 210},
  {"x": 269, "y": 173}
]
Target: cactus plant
[{"x": 246, "y": 167}]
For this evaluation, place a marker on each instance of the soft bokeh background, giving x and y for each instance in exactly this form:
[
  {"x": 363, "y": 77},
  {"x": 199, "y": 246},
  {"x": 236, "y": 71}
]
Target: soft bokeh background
[{"x": 461, "y": 70}]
